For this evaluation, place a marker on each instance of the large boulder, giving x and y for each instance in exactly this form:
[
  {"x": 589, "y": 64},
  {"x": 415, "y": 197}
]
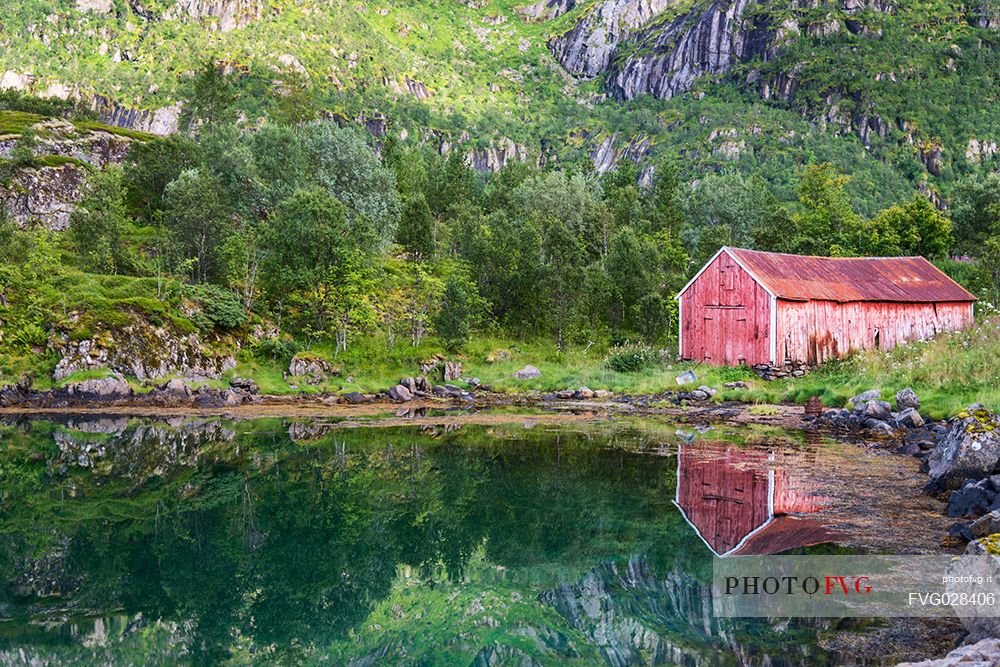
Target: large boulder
[
  {"x": 986, "y": 525},
  {"x": 400, "y": 394},
  {"x": 529, "y": 372},
  {"x": 312, "y": 368},
  {"x": 907, "y": 398},
  {"x": 876, "y": 409},
  {"x": 865, "y": 396},
  {"x": 973, "y": 499},
  {"x": 985, "y": 653},
  {"x": 100, "y": 389},
  {"x": 909, "y": 418},
  {"x": 970, "y": 450}
]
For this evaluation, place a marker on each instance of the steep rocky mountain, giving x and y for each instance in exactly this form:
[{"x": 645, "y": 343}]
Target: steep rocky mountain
[{"x": 900, "y": 93}]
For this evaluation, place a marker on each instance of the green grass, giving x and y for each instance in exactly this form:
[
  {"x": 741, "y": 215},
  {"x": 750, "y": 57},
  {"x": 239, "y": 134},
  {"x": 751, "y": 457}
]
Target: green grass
[
  {"x": 16, "y": 122},
  {"x": 93, "y": 126},
  {"x": 948, "y": 373}
]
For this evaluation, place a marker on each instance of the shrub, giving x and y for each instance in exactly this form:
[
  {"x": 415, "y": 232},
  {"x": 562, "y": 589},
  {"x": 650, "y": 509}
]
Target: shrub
[
  {"x": 277, "y": 349},
  {"x": 631, "y": 358},
  {"x": 221, "y": 306}
]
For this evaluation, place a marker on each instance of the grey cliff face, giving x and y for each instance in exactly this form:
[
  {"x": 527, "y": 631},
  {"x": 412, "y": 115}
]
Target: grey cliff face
[
  {"x": 545, "y": 10},
  {"x": 221, "y": 15},
  {"x": 589, "y": 47},
  {"x": 670, "y": 58}
]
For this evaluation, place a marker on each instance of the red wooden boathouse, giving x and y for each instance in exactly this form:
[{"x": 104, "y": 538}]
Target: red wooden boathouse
[{"x": 752, "y": 307}]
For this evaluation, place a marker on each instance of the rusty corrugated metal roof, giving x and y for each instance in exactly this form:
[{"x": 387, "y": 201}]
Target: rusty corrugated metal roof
[{"x": 802, "y": 277}]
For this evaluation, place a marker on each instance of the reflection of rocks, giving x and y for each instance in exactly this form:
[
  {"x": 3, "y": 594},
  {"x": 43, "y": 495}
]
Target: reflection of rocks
[
  {"x": 150, "y": 448},
  {"x": 46, "y": 575},
  {"x": 622, "y": 612}
]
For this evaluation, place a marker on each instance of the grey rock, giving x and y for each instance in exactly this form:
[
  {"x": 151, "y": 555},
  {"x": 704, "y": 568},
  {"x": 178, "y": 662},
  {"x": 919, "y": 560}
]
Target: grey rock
[
  {"x": 687, "y": 377},
  {"x": 400, "y": 394},
  {"x": 698, "y": 395},
  {"x": 877, "y": 410},
  {"x": 176, "y": 387},
  {"x": 545, "y": 10},
  {"x": 973, "y": 499},
  {"x": 589, "y": 46},
  {"x": 584, "y": 393},
  {"x": 986, "y": 525},
  {"x": 145, "y": 352},
  {"x": 565, "y": 394},
  {"x": 113, "y": 388},
  {"x": 907, "y": 398},
  {"x": 909, "y": 418},
  {"x": 706, "y": 41},
  {"x": 877, "y": 425},
  {"x": 984, "y": 653},
  {"x": 416, "y": 385},
  {"x": 707, "y": 390},
  {"x": 735, "y": 385},
  {"x": 864, "y": 397},
  {"x": 356, "y": 398},
  {"x": 313, "y": 369},
  {"x": 970, "y": 450},
  {"x": 452, "y": 371},
  {"x": 528, "y": 373},
  {"x": 245, "y": 384}
]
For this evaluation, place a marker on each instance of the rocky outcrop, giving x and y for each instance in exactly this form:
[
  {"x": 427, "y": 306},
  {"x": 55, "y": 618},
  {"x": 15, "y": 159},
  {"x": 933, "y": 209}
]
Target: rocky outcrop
[
  {"x": 669, "y": 58},
  {"x": 984, "y": 14},
  {"x": 311, "y": 368},
  {"x": 162, "y": 121},
  {"x": 588, "y": 47},
  {"x": 545, "y": 10},
  {"x": 496, "y": 156},
  {"x": 46, "y": 195},
  {"x": 985, "y": 653},
  {"x": 221, "y": 15},
  {"x": 971, "y": 449},
  {"x": 608, "y": 152},
  {"x": 145, "y": 352}
]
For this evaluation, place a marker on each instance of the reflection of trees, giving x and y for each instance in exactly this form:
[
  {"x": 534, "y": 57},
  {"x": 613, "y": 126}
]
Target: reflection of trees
[{"x": 292, "y": 545}]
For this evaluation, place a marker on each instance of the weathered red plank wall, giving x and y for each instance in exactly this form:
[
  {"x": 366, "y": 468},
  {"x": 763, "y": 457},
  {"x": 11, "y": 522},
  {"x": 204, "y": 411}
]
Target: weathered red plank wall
[
  {"x": 816, "y": 331},
  {"x": 725, "y": 316}
]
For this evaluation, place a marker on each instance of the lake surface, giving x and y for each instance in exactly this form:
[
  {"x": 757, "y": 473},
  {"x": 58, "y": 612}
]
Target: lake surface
[{"x": 196, "y": 540}]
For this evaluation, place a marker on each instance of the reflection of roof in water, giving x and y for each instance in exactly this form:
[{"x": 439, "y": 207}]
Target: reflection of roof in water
[{"x": 738, "y": 503}]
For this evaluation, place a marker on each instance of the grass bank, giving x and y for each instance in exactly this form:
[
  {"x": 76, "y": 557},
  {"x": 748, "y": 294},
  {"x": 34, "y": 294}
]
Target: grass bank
[{"x": 948, "y": 373}]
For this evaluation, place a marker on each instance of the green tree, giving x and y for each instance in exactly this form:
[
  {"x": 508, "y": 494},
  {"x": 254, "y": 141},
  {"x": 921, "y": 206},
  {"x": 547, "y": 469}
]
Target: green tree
[
  {"x": 99, "y": 225},
  {"x": 212, "y": 100},
  {"x": 416, "y": 228},
  {"x": 564, "y": 261},
  {"x": 344, "y": 163},
  {"x": 913, "y": 228},
  {"x": 975, "y": 211},
  {"x": 152, "y": 165},
  {"x": 989, "y": 265},
  {"x": 506, "y": 251},
  {"x": 305, "y": 238},
  {"x": 294, "y": 103},
  {"x": 454, "y": 316},
  {"x": 196, "y": 221},
  {"x": 825, "y": 223},
  {"x": 451, "y": 182}
]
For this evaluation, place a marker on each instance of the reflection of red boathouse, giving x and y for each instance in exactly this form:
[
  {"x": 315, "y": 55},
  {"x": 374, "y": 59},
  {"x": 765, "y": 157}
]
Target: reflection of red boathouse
[{"x": 739, "y": 502}]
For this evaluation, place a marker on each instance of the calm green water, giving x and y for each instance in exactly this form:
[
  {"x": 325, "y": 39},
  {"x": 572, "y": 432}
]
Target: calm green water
[{"x": 207, "y": 541}]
